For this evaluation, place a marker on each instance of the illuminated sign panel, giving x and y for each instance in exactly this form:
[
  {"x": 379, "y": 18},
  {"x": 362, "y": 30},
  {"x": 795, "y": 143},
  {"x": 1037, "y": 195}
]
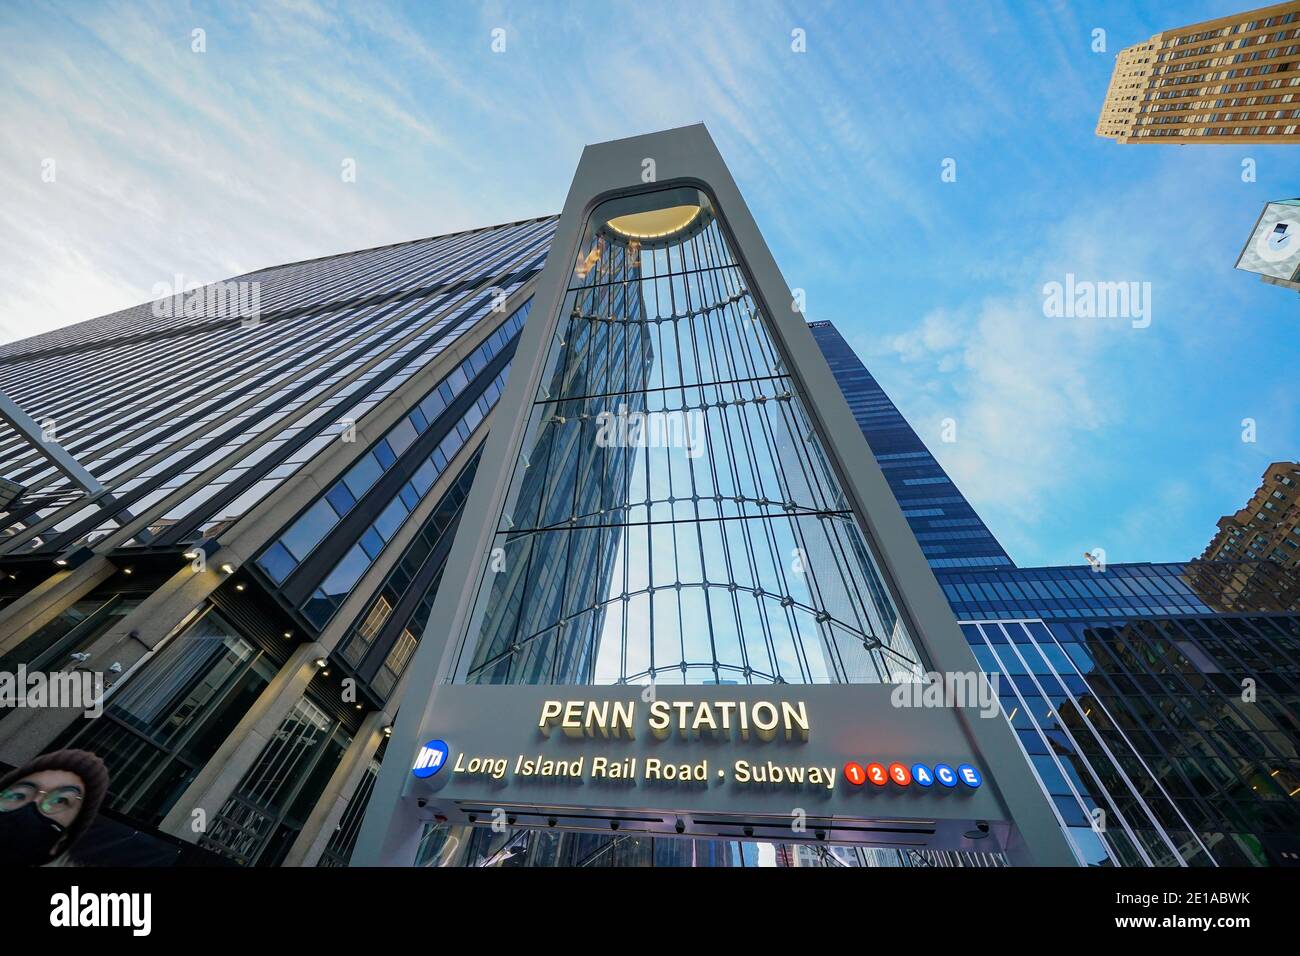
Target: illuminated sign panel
[
  {"x": 764, "y": 719},
  {"x": 843, "y": 754},
  {"x": 760, "y": 720},
  {"x": 431, "y": 758}
]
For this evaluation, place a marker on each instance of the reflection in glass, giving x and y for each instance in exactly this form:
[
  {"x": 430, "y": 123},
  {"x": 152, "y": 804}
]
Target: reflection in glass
[{"x": 673, "y": 517}]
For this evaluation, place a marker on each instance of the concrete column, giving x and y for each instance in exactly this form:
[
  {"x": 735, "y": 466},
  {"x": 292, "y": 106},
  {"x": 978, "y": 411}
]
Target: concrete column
[
  {"x": 222, "y": 773},
  {"x": 48, "y": 599},
  {"x": 325, "y": 815}
]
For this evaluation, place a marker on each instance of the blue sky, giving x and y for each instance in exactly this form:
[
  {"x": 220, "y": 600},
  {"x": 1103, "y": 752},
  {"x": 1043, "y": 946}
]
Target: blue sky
[{"x": 1072, "y": 434}]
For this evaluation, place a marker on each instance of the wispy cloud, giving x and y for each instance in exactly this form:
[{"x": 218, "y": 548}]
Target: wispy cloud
[{"x": 1048, "y": 406}]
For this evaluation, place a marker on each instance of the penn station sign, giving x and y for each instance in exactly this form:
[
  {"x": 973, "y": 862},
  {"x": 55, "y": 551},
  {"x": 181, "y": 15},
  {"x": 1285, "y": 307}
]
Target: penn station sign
[
  {"x": 842, "y": 751},
  {"x": 604, "y": 718}
]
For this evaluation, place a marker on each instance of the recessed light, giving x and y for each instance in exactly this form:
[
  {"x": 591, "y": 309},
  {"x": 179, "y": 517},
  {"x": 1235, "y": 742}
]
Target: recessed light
[
  {"x": 74, "y": 558},
  {"x": 655, "y": 223}
]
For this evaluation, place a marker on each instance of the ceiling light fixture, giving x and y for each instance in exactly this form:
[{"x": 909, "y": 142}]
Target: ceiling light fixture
[{"x": 656, "y": 223}]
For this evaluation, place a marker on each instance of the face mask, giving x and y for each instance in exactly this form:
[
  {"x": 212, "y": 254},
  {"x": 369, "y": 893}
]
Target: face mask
[{"x": 27, "y": 837}]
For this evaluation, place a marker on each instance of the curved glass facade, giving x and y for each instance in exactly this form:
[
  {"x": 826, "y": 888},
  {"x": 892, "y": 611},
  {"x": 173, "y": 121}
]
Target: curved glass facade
[{"x": 673, "y": 517}]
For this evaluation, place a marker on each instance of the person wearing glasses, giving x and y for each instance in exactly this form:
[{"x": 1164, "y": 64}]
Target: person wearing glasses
[{"x": 46, "y": 805}]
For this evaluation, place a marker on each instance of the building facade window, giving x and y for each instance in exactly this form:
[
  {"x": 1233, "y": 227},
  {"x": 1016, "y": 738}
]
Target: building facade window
[
  {"x": 293, "y": 547},
  {"x": 168, "y": 721},
  {"x": 673, "y": 517},
  {"x": 73, "y": 630},
  {"x": 258, "y": 823}
]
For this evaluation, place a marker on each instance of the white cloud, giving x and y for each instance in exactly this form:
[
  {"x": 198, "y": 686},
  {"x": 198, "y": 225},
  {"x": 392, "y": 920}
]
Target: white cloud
[
  {"x": 1043, "y": 403},
  {"x": 168, "y": 161},
  {"x": 1022, "y": 389},
  {"x": 216, "y": 163}
]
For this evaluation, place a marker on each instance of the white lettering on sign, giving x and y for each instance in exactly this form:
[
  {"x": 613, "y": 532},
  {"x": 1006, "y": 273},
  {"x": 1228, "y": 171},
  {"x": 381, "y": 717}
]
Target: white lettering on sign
[{"x": 578, "y": 718}]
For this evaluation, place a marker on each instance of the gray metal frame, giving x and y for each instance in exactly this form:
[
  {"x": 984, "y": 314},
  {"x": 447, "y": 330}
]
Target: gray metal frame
[
  {"x": 393, "y": 821},
  {"x": 30, "y": 431}
]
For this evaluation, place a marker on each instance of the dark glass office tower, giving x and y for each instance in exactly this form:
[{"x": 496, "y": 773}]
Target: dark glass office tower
[
  {"x": 1080, "y": 592},
  {"x": 949, "y": 531},
  {"x": 1162, "y": 740}
]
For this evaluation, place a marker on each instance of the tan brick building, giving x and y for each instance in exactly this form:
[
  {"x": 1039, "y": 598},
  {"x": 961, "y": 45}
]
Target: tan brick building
[
  {"x": 1268, "y": 527},
  {"x": 1231, "y": 80}
]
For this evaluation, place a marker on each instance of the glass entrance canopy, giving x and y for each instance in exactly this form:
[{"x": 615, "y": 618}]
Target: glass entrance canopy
[{"x": 673, "y": 517}]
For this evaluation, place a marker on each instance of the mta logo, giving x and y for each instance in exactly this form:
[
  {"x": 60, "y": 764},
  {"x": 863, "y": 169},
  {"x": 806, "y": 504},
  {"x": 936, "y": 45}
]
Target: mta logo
[{"x": 430, "y": 758}]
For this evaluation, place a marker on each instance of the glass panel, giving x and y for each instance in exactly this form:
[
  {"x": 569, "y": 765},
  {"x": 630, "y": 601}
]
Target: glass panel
[
  {"x": 162, "y": 700},
  {"x": 308, "y": 530},
  {"x": 362, "y": 475},
  {"x": 49, "y": 635},
  {"x": 401, "y": 653},
  {"x": 277, "y": 562},
  {"x": 172, "y": 716},
  {"x": 346, "y": 573},
  {"x": 75, "y": 629},
  {"x": 674, "y": 516}
]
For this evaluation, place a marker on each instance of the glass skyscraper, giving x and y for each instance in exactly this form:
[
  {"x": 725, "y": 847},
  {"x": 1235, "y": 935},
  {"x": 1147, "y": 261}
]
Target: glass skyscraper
[
  {"x": 272, "y": 496},
  {"x": 949, "y": 531},
  {"x": 1163, "y": 741}
]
